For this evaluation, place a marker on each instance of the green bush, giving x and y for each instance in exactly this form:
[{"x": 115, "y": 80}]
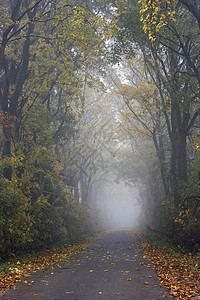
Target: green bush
[
  {"x": 14, "y": 217},
  {"x": 181, "y": 223},
  {"x": 188, "y": 218},
  {"x": 75, "y": 218}
]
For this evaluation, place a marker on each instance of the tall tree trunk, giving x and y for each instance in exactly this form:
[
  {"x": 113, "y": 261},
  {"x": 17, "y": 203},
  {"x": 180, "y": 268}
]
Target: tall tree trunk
[
  {"x": 174, "y": 178},
  {"x": 175, "y": 146},
  {"x": 10, "y": 103},
  {"x": 161, "y": 155},
  {"x": 182, "y": 156}
]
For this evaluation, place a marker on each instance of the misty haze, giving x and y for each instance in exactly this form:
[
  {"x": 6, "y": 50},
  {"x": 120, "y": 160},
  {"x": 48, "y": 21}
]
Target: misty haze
[{"x": 120, "y": 207}]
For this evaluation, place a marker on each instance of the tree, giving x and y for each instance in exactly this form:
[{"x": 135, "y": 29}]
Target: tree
[
  {"x": 45, "y": 52},
  {"x": 82, "y": 154},
  {"x": 157, "y": 14},
  {"x": 144, "y": 116},
  {"x": 171, "y": 72},
  {"x": 40, "y": 59}
]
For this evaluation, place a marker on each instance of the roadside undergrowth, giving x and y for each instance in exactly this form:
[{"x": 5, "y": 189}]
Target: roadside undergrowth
[{"x": 178, "y": 271}]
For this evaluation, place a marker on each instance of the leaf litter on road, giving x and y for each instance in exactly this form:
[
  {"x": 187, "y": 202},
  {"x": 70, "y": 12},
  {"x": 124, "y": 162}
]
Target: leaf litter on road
[
  {"x": 180, "y": 274},
  {"x": 20, "y": 270}
]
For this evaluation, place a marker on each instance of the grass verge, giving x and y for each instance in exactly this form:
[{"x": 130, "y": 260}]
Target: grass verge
[{"x": 178, "y": 270}]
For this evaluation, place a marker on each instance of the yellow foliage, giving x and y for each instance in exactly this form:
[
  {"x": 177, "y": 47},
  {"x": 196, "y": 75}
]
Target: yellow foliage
[{"x": 155, "y": 15}]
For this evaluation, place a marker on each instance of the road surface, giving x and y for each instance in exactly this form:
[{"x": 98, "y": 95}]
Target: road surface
[{"x": 111, "y": 267}]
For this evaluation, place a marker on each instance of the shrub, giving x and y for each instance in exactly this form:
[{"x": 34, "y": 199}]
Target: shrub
[{"x": 14, "y": 217}]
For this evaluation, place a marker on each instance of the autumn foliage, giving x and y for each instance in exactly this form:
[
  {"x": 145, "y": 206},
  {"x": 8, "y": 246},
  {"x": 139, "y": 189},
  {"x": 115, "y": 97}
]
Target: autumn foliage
[
  {"x": 53, "y": 125},
  {"x": 45, "y": 51},
  {"x": 177, "y": 270}
]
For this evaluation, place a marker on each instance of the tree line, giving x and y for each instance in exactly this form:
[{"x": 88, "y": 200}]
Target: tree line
[
  {"x": 160, "y": 92},
  {"x": 48, "y": 52},
  {"x": 61, "y": 121}
]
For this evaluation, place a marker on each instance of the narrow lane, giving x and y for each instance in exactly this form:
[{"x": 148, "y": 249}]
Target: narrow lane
[{"x": 111, "y": 267}]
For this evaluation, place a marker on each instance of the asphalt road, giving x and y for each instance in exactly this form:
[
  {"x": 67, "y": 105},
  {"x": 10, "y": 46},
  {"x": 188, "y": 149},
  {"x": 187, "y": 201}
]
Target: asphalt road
[{"x": 111, "y": 267}]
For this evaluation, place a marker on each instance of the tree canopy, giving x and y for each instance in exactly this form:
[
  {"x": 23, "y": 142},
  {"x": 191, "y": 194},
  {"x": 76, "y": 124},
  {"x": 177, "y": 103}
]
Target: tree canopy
[{"x": 93, "y": 92}]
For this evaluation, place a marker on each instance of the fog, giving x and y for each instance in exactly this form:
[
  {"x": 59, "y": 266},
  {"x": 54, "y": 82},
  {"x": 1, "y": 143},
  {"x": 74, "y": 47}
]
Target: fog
[{"x": 119, "y": 206}]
